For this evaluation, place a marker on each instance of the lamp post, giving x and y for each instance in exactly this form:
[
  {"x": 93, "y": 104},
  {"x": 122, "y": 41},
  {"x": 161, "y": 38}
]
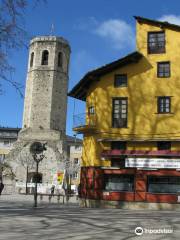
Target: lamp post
[
  {"x": 37, "y": 150},
  {"x": 2, "y": 158}
]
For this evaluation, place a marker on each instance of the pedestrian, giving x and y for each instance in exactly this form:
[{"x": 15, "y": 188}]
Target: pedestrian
[
  {"x": 1, "y": 187},
  {"x": 52, "y": 190}
]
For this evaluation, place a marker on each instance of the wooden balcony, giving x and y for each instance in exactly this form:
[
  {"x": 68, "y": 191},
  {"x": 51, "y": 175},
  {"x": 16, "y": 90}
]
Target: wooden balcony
[{"x": 84, "y": 123}]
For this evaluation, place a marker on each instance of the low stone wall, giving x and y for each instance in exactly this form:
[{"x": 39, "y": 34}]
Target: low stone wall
[{"x": 127, "y": 205}]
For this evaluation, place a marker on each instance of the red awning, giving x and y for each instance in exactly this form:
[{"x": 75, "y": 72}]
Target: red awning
[{"x": 118, "y": 153}]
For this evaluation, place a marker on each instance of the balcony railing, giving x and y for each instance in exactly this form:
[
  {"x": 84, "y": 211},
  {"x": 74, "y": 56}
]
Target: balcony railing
[{"x": 84, "y": 122}]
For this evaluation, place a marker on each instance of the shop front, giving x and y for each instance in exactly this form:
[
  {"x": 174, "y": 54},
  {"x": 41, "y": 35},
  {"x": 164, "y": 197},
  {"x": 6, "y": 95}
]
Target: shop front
[{"x": 136, "y": 177}]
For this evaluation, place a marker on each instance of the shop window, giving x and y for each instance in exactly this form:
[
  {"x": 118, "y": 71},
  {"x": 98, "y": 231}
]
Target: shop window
[
  {"x": 165, "y": 184},
  {"x": 163, "y": 69},
  {"x": 119, "y": 112},
  {"x": 119, "y": 182},
  {"x": 32, "y": 59},
  {"x": 164, "y": 145},
  {"x": 164, "y": 104},
  {"x": 118, "y": 145},
  {"x": 156, "y": 42},
  {"x": 120, "y": 80},
  {"x": 45, "y": 56}
]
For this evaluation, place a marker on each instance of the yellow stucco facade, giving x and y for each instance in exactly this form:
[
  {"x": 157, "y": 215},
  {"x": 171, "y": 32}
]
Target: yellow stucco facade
[{"x": 145, "y": 126}]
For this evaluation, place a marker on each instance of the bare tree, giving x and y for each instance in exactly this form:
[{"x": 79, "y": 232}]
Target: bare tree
[
  {"x": 12, "y": 36},
  {"x": 26, "y": 160}
]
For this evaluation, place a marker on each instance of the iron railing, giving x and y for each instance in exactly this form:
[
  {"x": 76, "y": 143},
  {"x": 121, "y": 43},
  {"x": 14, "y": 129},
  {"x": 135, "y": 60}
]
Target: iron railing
[{"x": 84, "y": 119}]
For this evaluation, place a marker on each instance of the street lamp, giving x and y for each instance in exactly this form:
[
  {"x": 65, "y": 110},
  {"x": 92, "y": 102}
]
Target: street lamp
[
  {"x": 2, "y": 158},
  {"x": 37, "y": 149}
]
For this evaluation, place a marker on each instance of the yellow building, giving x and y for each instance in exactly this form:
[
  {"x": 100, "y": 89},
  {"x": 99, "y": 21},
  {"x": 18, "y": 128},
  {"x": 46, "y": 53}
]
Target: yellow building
[{"x": 131, "y": 146}]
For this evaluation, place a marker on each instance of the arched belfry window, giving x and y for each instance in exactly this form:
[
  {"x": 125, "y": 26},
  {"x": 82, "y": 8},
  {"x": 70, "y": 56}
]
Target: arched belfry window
[
  {"x": 31, "y": 59},
  {"x": 45, "y": 55},
  {"x": 60, "y": 59}
]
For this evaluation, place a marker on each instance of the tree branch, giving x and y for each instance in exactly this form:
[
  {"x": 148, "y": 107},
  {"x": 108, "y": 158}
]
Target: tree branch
[{"x": 12, "y": 36}]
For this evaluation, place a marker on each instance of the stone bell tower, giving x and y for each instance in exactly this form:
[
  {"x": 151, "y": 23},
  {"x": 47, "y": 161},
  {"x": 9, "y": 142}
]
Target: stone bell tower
[
  {"x": 45, "y": 106},
  {"x": 46, "y": 89}
]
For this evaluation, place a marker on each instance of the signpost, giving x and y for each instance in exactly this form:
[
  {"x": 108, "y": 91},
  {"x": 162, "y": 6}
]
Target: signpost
[{"x": 37, "y": 150}]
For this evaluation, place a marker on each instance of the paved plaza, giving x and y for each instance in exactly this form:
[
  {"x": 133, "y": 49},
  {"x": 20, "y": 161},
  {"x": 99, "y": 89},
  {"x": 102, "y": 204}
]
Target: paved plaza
[{"x": 51, "y": 221}]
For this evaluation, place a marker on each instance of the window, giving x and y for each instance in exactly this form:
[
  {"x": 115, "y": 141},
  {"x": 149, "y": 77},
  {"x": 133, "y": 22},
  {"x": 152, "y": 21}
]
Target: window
[
  {"x": 77, "y": 147},
  {"x": 156, "y": 42},
  {"x": 60, "y": 59},
  {"x": 45, "y": 56},
  {"x": 32, "y": 177},
  {"x": 119, "y": 114},
  {"x": 118, "y": 145},
  {"x": 120, "y": 80},
  {"x": 164, "y": 104},
  {"x": 119, "y": 183},
  {"x": 76, "y": 161},
  {"x": 32, "y": 59},
  {"x": 163, "y": 69},
  {"x": 2, "y": 158},
  {"x": 6, "y": 143},
  {"x": 118, "y": 162},
  {"x": 164, "y": 145},
  {"x": 75, "y": 175},
  {"x": 91, "y": 110},
  {"x": 163, "y": 184}
]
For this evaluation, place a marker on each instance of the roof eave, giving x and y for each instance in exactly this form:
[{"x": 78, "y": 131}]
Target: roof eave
[
  {"x": 95, "y": 74},
  {"x": 158, "y": 23}
]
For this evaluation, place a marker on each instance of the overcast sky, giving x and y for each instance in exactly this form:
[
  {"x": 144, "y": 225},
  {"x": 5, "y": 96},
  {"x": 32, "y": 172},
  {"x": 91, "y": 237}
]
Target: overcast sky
[{"x": 99, "y": 31}]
